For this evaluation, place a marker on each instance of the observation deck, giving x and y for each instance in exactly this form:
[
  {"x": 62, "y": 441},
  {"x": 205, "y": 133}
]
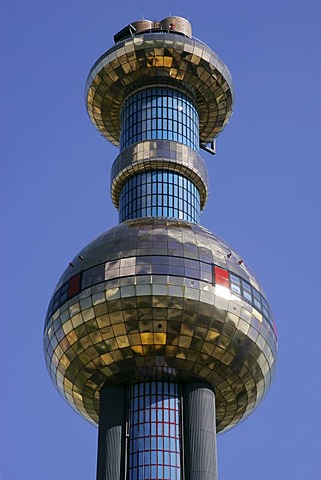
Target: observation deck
[{"x": 151, "y": 57}]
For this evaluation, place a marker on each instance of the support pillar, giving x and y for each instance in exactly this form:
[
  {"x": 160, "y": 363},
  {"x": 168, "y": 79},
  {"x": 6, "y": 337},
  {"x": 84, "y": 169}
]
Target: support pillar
[
  {"x": 199, "y": 432},
  {"x": 112, "y": 434}
]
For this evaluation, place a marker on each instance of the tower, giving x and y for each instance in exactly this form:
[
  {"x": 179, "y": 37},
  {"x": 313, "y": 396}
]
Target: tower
[{"x": 158, "y": 331}]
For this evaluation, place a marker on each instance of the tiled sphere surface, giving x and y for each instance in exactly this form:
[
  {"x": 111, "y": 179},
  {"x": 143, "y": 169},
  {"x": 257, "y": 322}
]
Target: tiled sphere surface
[{"x": 150, "y": 299}]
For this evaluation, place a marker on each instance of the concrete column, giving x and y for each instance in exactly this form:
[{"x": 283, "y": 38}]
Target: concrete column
[
  {"x": 112, "y": 434},
  {"x": 199, "y": 432}
]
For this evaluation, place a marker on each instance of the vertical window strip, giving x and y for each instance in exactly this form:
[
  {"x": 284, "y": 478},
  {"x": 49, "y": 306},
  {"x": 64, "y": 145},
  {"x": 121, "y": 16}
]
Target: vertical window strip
[
  {"x": 159, "y": 193},
  {"x": 154, "y": 446},
  {"x": 159, "y": 114}
]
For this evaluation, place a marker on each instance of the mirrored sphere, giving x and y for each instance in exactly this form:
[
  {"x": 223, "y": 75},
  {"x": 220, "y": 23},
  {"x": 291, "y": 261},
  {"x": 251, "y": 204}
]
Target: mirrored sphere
[{"x": 164, "y": 299}]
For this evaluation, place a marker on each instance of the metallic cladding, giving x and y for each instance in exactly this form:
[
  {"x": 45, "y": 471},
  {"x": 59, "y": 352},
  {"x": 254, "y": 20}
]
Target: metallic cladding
[
  {"x": 159, "y": 59},
  {"x": 156, "y": 155},
  {"x": 139, "y": 326}
]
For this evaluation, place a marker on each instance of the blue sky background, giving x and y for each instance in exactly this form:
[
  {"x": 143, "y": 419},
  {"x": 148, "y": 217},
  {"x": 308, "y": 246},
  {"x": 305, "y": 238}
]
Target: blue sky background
[{"x": 265, "y": 201}]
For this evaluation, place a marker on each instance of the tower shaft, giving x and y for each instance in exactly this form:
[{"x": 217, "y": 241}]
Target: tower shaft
[
  {"x": 111, "y": 458},
  {"x": 158, "y": 119},
  {"x": 160, "y": 174},
  {"x": 157, "y": 430},
  {"x": 199, "y": 432}
]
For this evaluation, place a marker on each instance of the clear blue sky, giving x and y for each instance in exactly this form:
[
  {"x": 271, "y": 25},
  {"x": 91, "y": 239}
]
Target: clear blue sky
[{"x": 265, "y": 201}]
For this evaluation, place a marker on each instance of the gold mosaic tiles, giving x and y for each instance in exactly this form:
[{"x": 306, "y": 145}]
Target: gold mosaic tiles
[
  {"x": 143, "y": 303},
  {"x": 158, "y": 59},
  {"x": 159, "y": 155}
]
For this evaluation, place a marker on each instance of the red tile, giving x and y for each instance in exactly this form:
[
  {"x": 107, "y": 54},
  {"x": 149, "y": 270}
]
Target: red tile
[
  {"x": 74, "y": 285},
  {"x": 221, "y": 277}
]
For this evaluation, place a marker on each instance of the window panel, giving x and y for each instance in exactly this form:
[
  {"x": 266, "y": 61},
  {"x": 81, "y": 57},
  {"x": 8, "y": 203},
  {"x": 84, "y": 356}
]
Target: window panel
[
  {"x": 154, "y": 455},
  {"x": 148, "y": 118},
  {"x": 173, "y": 190}
]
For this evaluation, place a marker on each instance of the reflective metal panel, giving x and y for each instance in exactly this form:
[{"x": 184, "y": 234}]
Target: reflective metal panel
[
  {"x": 159, "y": 155},
  {"x": 158, "y": 314},
  {"x": 156, "y": 155},
  {"x": 159, "y": 59}
]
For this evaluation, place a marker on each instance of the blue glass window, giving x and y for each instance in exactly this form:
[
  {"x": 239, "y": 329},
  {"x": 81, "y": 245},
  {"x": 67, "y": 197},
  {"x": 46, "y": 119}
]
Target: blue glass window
[
  {"x": 159, "y": 113},
  {"x": 159, "y": 193},
  {"x": 154, "y": 451}
]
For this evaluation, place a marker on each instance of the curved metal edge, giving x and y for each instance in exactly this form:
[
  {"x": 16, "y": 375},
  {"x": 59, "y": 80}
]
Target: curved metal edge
[
  {"x": 161, "y": 155},
  {"x": 210, "y": 76}
]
